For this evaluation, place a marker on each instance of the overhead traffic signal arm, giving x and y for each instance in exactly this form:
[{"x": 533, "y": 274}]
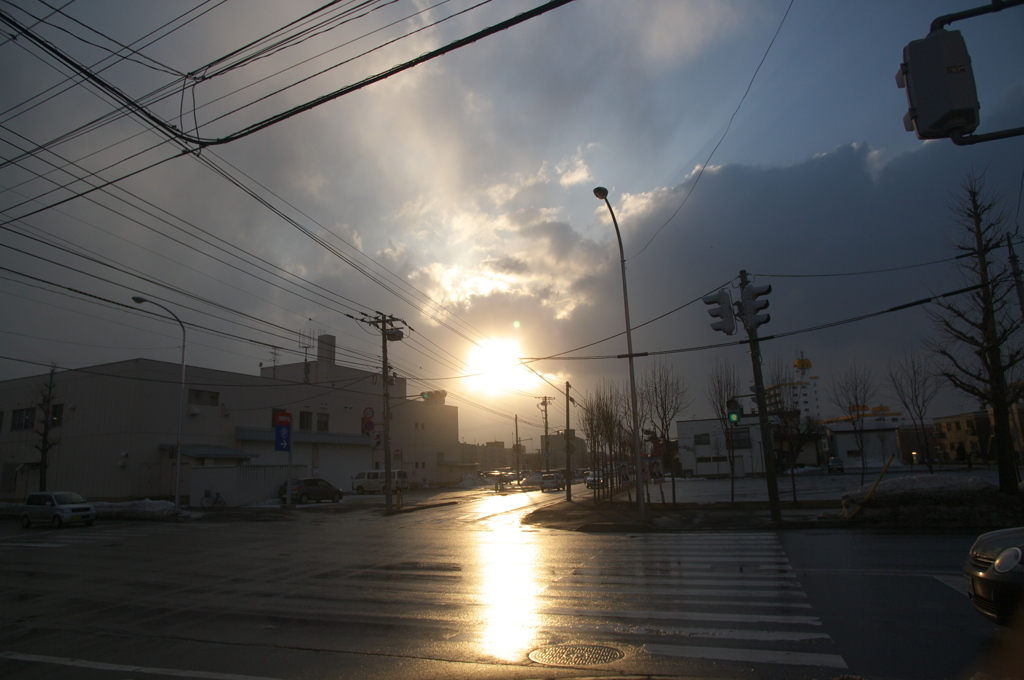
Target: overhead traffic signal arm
[{"x": 722, "y": 311}]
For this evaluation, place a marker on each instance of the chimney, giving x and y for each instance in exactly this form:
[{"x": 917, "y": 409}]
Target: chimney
[{"x": 325, "y": 349}]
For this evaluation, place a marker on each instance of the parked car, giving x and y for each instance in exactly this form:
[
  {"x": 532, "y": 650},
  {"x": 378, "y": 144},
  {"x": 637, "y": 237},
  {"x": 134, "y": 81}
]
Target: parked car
[
  {"x": 835, "y": 465},
  {"x": 372, "y": 481},
  {"x": 552, "y": 482},
  {"x": 310, "y": 489},
  {"x": 994, "y": 575},
  {"x": 57, "y": 508}
]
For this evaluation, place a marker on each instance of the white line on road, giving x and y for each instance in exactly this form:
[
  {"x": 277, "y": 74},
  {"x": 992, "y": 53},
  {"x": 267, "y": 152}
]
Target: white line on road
[
  {"x": 749, "y": 655},
  {"x": 682, "y": 616},
  {"x": 98, "y": 665}
]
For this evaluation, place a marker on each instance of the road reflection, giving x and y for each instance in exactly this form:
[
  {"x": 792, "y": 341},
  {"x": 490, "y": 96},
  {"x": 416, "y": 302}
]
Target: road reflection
[{"x": 509, "y": 586}]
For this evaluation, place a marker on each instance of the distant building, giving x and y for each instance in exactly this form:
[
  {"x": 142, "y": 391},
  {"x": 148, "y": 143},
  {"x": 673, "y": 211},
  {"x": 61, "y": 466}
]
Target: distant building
[
  {"x": 704, "y": 451},
  {"x": 114, "y": 429},
  {"x": 554, "y": 444}
]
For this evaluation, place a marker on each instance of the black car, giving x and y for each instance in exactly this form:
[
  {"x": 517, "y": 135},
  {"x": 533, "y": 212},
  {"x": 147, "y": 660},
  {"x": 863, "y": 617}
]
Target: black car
[
  {"x": 310, "y": 489},
  {"x": 994, "y": 573}
]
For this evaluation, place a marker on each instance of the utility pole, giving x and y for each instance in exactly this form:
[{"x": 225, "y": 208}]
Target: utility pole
[
  {"x": 1015, "y": 266},
  {"x": 568, "y": 446},
  {"x": 543, "y": 406},
  {"x": 518, "y": 475},
  {"x": 388, "y": 333},
  {"x": 751, "y": 321}
]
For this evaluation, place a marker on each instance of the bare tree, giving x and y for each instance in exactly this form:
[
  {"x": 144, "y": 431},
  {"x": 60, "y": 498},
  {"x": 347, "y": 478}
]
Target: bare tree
[
  {"x": 724, "y": 384},
  {"x": 979, "y": 348},
  {"x": 852, "y": 392},
  {"x": 916, "y": 387},
  {"x": 600, "y": 419},
  {"x": 663, "y": 396},
  {"x": 52, "y": 414},
  {"x": 792, "y": 429}
]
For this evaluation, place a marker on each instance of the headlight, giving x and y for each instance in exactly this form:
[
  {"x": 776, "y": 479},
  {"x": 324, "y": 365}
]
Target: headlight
[{"x": 1007, "y": 560}]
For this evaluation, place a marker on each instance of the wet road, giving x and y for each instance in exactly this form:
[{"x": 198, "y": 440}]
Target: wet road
[{"x": 466, "y": 591}]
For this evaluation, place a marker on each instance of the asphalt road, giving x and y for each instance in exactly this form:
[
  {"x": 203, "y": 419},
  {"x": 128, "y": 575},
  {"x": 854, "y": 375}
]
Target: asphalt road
[{"x": 466, "y": 591}]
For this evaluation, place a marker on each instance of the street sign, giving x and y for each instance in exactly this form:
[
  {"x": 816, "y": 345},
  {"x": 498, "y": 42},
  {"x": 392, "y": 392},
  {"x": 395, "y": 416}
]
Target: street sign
[
  {"x": 368, "y": 425},
  {"x": 282, "y": 437},
  {"x": 367, "y": 412},
  {"x": 282, "y": 418}
]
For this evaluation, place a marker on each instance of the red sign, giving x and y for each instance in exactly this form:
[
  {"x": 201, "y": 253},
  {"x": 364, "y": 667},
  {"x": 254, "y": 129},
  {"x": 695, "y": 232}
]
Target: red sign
[{"x": 282, "y": 418}]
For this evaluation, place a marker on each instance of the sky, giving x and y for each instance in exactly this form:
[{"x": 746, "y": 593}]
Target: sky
[{"x": 457, "y": 195}]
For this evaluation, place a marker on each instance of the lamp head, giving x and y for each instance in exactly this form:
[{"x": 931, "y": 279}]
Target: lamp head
[
  {"x": 138, "y": 299},
  {"x": 601, "y": 193}
]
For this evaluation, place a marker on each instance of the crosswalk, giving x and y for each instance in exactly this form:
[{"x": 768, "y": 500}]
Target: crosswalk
[
  {"x": 723, "y": 597},
  {"x": 661, "y": 599}
]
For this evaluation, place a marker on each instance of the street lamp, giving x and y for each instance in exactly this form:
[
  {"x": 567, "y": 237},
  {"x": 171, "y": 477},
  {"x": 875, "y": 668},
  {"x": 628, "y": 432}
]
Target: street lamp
[
  {"x": 602, "y": 194},
  {"x": 138, "y": 299}
]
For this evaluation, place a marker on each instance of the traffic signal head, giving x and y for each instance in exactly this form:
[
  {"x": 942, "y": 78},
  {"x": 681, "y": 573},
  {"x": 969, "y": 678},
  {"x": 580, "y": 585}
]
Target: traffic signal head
[
  {"x": 434, "y": 397},
  {"x": 733, "y": 410},
  {"x": 752, "y": 305},
  {"x": 941, "y": 93},
  {"x": 722, "y": 311}
]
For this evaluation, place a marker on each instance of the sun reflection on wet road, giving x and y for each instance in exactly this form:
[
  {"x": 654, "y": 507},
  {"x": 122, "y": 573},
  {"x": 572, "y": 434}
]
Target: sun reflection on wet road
[{"x": 509, "y": 587}]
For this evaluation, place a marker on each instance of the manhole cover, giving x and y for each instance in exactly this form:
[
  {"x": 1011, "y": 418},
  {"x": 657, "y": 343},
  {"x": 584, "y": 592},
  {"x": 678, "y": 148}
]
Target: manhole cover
[{"x": 575, "y": 655}]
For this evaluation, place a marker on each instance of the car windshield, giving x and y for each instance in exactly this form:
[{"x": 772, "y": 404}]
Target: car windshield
[{"x": 69, "y": 498}]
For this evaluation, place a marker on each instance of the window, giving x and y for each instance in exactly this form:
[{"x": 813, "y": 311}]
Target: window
[
  {"x": 305, "y": 420},
  {"x": 958, "y": 425},
  {"x": 853, "y": 454},
  {"x": 704, "y": 439},
  {"x": 739, "y": 437},
  {"x": 23, "y": 418},
  {"x": 203, "y": 398},
  {"x": 322, "y": 422}
]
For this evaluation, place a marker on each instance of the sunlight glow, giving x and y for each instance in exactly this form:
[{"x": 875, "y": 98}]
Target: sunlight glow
[
  {"x": 509, "y": 590},
  {"x": 495, "y": 366}
]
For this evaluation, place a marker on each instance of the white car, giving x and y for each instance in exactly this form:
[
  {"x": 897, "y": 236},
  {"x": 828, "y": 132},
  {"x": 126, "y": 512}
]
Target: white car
[
  {"x": 56, "y": 508},
  {"x": 551, "y": 481}
]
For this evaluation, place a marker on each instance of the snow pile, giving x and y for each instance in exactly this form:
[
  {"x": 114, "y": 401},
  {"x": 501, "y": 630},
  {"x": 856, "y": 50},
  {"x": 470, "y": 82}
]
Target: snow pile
[
  {"x": 144, "y": 509},
  {"x": 935, "y": 500}
]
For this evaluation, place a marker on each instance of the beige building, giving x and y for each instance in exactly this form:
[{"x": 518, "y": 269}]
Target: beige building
[{"x": 113, "y": 429}]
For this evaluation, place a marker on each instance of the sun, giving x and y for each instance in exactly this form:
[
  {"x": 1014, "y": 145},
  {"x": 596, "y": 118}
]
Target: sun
[{"x": 494, "y": 367}]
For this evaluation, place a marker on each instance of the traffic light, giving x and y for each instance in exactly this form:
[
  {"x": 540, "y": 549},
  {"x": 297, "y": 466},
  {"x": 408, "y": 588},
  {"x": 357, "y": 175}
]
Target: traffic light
[
  {"x": 733, "y": 410},
  {"x": 937, "y": 74},
  {"x": 434, "y": 397},
  {"x": 751, "y": 306},
  {"x": 723, "y": 311}
]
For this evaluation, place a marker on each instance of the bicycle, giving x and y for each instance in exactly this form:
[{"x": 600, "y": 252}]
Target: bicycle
[{"x": 211, "y": 499}]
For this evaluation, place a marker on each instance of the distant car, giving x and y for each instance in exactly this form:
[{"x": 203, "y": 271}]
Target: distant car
[
  {"x": 994, "y": 575},
  {"x": 596, "y": 481},
  {"x": 57, "y": 508},
  {"x": 310, "y": 489},
  {"x": 551, "y": 482},
  {"x": 835, "y": 465}
]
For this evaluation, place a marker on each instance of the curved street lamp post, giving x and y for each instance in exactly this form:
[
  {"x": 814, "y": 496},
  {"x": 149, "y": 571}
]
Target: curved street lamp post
[
  {"x": 138, "y": 299},
  {"x": 602, "y": 194}
]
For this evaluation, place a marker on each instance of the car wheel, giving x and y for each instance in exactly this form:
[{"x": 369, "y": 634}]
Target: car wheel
[
  {"x": 56, "y": 522},
  {"x": 304, "y": 498},
  {"x": 337, "y": 498},
  {"x": 25, "y": 522},
  {"x": 359, "y": 490}
]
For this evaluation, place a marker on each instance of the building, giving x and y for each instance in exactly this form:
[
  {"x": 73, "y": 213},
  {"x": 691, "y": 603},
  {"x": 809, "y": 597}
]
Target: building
[
  {"x": 880, "y": 442},
  {"x": 552, "y": 448},
  {"x": 113, "y": 430},
  {"x": 704, "y": 451}
]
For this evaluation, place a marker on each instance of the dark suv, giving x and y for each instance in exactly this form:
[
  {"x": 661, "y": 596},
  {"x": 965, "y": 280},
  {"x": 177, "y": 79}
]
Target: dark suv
[{"x": 310, "y": 489}]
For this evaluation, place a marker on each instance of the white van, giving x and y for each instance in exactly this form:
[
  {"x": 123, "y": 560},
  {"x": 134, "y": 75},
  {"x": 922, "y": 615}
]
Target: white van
[{"x": 372, "y": 481}]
